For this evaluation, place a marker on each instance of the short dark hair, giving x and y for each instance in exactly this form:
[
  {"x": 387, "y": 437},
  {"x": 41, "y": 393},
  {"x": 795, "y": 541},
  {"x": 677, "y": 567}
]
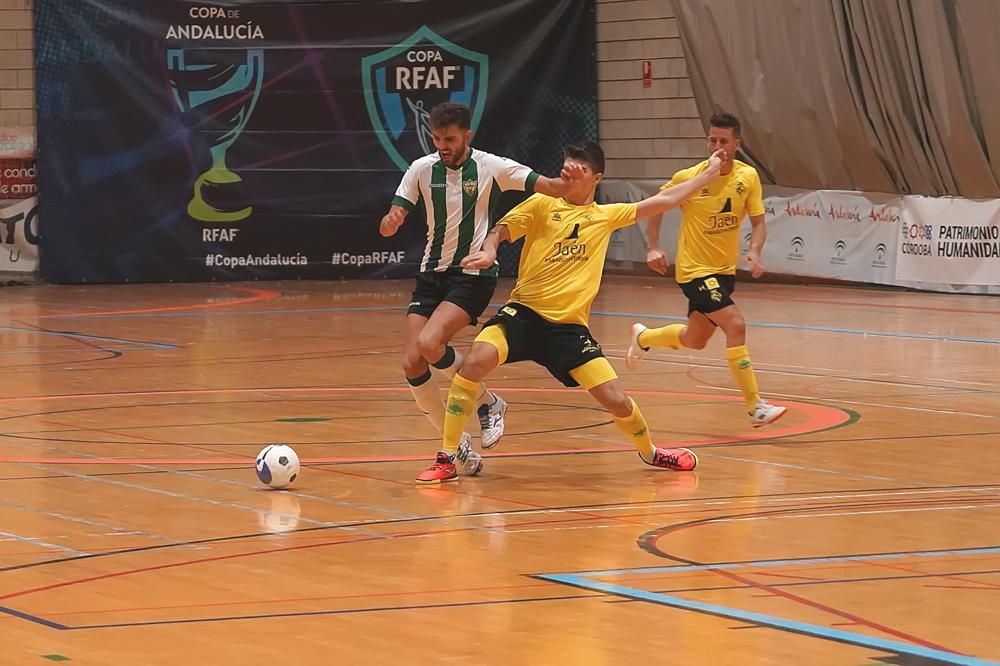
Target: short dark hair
[
  {"x": 725, "y": 120},
  {"x": 588, "y": 152},
  {"x": 447, "y": 114}
]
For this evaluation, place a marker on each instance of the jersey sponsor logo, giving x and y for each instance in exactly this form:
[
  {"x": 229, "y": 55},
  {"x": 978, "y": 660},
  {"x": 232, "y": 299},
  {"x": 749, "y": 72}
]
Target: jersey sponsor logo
[
  {"x": 740, "y": 188},
  {"x": 589, "y": 346},
  {"x": 404, "y": 82},
  {"x": 568, "y": 252},
  {"x": 724, "y": 220}
]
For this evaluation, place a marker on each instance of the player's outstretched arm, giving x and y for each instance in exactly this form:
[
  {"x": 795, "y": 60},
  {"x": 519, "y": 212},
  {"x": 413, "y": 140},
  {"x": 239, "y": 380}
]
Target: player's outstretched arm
[
  {"x": 487, "y": 256},
  {"x": 557, "y": 187},
  {"x": 674, "y": 195}
]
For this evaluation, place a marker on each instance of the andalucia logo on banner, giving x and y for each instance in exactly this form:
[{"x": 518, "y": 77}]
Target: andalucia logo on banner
[
  {"x": 404, "y": 82},
  {"x": 216, "y": 80}
]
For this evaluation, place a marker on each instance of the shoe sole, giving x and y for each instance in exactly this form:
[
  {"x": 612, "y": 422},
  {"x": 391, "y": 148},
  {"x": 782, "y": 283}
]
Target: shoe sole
[
  {"x": 633, "y": 343},
  {"x": 760, "y": 424},
  {"x": 503, "y": 414},
  {"x": 437, "y": 482}
]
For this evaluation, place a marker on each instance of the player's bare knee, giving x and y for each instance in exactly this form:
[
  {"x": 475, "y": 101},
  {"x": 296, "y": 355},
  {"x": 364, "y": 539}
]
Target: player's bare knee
[
  {"x": 614, "y": 399},
  {"x": 620, "y": 406},
  {"x": 479, "y": 362},
  {"x": 430, "y": 346},
  {"x": 735, "y": 330},
  {"x": 691, "y": 342},
  {"x": 414, "y": 365}
]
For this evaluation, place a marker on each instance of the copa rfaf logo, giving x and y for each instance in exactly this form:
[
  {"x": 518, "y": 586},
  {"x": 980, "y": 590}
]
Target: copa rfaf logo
[{"x": 404, "y": 82}]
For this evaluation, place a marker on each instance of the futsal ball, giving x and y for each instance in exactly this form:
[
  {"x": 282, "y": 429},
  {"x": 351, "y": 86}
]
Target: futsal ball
[{"x": 277, "y": 465}]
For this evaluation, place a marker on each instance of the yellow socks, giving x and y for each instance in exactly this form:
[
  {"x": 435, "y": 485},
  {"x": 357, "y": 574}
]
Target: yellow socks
[
  {"x": 634, "y": 425},
  {"x": 666, "y": 336},
  {"x": 742, "y": 369},
  {"x": 461, "y": 403}
]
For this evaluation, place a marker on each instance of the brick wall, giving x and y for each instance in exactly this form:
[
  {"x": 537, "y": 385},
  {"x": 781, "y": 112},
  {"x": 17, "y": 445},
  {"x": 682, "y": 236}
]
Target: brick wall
[
  {"x": 17, "y": 67},
  {"x": 646, "y": 133}
]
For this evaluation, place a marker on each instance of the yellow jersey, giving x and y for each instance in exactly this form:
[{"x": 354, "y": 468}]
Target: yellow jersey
[
  {"x": 709, "y": 240},
  {"x": 563, "y": 257}
]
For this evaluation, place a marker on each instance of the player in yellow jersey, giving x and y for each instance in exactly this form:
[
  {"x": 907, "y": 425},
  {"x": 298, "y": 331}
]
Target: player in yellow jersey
[
  {"x": 707, "y": 253},
  {"x": 546, "y": 318}
]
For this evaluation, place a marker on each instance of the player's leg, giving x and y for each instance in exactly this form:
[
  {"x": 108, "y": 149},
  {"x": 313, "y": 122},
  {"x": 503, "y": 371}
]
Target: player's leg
[
  {"x": 599, "y": 378},
  {"x": 731, "y": 321},
  {"x": 472, "y": 293},
  {"x": 487, "y": 352},
  {"x": 695, "y": 334},
  {"x": 415, "y": 367}
]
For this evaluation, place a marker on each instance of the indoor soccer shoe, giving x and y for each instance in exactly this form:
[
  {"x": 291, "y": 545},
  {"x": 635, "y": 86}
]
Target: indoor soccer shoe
[
  {"x": 679, "y": 460},
  {"x": 491, "y": 422},
  {"x": 468, "y": 461},
  {"x": 765, "y": 413},
  {"x": 635, "y": 350},
  {"x": 441, "y": 471}
]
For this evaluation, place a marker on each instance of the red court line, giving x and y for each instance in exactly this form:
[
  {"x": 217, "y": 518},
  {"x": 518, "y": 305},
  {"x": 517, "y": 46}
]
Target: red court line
[
  {"x": 257, "y": 295},
  {"x": 779, "y": 592},
  {"x": 820, "y": 417}
]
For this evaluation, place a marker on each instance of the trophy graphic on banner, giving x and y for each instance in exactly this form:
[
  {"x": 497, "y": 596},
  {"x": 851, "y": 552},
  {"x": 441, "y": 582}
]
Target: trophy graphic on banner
[
  {"x": 422, "y": 123},
  {"x": 217, "y": 96}
]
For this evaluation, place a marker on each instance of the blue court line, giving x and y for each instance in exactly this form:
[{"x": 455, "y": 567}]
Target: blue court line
[
  {"x": 803, "y": 628},
  {"x": 780, "y": 563},
  {"x": 638, "y": 316},
  {"x": 99, "y": 338},
  {"x": 33, "y": 618}
]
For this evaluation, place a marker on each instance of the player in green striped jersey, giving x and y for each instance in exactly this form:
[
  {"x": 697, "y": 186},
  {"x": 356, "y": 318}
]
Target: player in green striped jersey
[{"x": 459, "y": 187}]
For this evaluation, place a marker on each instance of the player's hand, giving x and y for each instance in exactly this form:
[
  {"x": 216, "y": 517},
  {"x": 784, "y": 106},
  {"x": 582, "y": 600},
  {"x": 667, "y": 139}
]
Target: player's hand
[
  {"x": 480, "y": 260},
  {"x": 571, "y": 173},
  {"x": 756, "y": 265},
  {"x": 657, "y": 260},
  {"x": 391, "y": 223},
  {"x": 717, "y": 161}
]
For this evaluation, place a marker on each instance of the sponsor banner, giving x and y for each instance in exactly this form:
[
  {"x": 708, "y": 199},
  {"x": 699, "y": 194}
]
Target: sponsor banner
[
  {"x": 949, "y": 241},
  {"x": 831, "y": 234},
  {"x": 937, "y": 244},
  {"x": 19, "y": 233},
  {"x": 228, "y": 140},
  {"x": 840, "y": 235},
  {"x": 18, "y": 170}
]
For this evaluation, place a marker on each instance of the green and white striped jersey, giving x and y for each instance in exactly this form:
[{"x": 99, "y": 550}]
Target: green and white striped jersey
[{"x": 459, "y": 201}]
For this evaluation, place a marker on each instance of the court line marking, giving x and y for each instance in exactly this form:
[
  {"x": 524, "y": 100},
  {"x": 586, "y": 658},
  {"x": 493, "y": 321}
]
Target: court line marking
[
  {"x": 584, "y": 580},
  {"x": 605, "y": 313},
  {"x": 141, "y": 344},
  {"x": 256, "y": 296}
]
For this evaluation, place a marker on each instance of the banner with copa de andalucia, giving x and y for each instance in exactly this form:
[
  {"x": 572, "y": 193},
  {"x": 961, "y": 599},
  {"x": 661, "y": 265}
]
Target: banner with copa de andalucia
[{"x": 264, "y": 139}]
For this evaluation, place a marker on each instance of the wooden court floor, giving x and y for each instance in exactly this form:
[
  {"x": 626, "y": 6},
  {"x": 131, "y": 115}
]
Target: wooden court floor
[{"x": 864, "y": 528}]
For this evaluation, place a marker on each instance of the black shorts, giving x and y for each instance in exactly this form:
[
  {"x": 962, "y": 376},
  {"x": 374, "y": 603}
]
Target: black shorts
[
  {"x": 559, "y": 348},
  {"x": 710, "y": 293},
  {"x": 472, "y": 293}
]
